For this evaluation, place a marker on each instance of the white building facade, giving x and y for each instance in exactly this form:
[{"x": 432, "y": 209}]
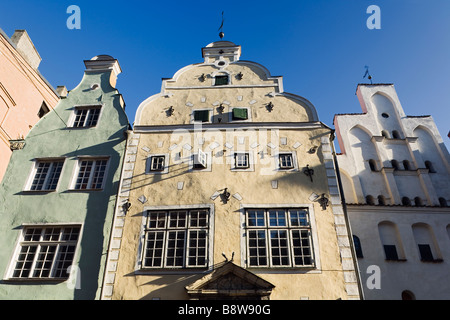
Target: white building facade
[{"x": 395, "y": 174}]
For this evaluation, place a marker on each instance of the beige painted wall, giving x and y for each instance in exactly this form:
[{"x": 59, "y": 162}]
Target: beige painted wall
[{"x": 293, "y": 121}]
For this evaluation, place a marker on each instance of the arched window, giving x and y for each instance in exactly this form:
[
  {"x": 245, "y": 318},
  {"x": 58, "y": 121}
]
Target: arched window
[
  {"x": 373, "y": 165},
  {"x": 395, "y": 134},
  {"x": 406, "y": 201},
  {"x": 406, "y": 165},
  {"x": 390, "y": 239},
  {"x": 408, "y": 295},
  {"x": 381, "y": 200},
  {"x": 370, "y": 200},
  {"x": 358, "y": 248},
  {"x": 426, "y": 242},
  {"x": 418, "y": 202},
  {"x": 442, "y": 202},
  {"x": 385, "y": 134},
  {"x": 394, "y": 164},
  {"x": 429, "y": 166}
]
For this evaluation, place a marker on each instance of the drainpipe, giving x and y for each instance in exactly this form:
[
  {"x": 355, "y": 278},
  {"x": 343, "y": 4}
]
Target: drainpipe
[{"x": 347, "y": 221}]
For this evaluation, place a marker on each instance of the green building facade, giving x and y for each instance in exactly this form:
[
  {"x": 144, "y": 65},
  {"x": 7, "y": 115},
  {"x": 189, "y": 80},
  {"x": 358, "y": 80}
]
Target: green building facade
[{"x": 59, "y": 193}]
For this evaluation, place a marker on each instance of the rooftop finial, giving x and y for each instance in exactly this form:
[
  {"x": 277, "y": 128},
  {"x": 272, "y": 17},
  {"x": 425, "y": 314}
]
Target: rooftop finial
[
  {"x": 367, "y": 74},
  {"x": 221, "y": 34}
]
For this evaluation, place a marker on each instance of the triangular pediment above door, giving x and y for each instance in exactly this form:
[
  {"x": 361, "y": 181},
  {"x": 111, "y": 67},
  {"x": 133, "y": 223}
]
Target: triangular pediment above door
[{"x": 230, "y": 282}]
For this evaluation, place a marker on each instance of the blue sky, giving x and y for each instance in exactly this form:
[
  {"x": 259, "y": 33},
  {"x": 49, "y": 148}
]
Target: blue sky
[{"x": 320, "y": 47}]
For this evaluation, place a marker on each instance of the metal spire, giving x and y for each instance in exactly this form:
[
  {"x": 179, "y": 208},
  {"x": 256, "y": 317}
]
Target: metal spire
[{"x": 221, "y": 34}]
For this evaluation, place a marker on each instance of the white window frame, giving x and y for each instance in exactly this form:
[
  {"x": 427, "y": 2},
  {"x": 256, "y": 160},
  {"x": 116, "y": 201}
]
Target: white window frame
[
  {"x": 207, "y": 161},
  {"x": 149, "y": 161},
  {"x": 251, "y": 160},
  {"x": 294, "y": 161},
  {"x": 39, "y": 244},
  {"x": 80, "y": 159},
  {"x": 34, "y": 171},
  {"x": 139, "y": 267},
  {"x": 89, "y": 107},
  {"x": 211, "y": 115},
  {"x": 314, "y": 268}
]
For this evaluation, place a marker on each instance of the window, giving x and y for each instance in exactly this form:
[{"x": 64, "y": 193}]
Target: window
[
  {"x": 370, "y": 200},
  {"x": 390, "y": 252},
  {"x": 286, "y": 161},
  {"x": 418, "y": 202},
  {"x": 241, "y": 160},
  {"x": 381, "y": 200},
  {"x": 372, "y": 165},
  {"x": 442, "y": 202},
  {"x": 46, "y": 175},
  {"x": 430, "y": 167},
  {"x": 425, "y": 252},
  {"x": 177, "y": 239},
  {"x": 407, "y": 165},
  {"x": 278, "y": 238},
  {"x": 200, "y": 160},
  {"x": 394, "y": 164},
  {"x": 43, "y": 110},
  {"x": 221, "y": 80},
  {"x": 91, "y": 174},
  {"x": 406, "y": 201},
  {"x": 240, "y": 114},
  {"x": 201, "y": 115},
  {"x": 358, "y": 248},
  {"x": 86, "y": 117},
  {"x": 157, "y": 163},
  {"x": 395, "y": 134},
  {"x": 385, "y": 134},
  {"x": 45, "y": 252}
]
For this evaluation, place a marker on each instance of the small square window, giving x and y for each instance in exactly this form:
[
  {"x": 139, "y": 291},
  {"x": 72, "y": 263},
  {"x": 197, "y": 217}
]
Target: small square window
[
  {"x": 201, "y": 115},
  {"x": 241, "y": 161},
  {"x": 221, "y": 80},
  {"x": 200, "y": 160},
  {"x": 286, "y": 161},
  {"x": 240, "y": 114},
  {"x": 157, "y": 163}
]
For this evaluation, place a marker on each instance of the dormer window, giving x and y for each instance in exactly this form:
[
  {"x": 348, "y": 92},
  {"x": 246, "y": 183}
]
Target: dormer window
[
  {"x": 86, "y": 117},
  {"x": 221, "y": 80}
]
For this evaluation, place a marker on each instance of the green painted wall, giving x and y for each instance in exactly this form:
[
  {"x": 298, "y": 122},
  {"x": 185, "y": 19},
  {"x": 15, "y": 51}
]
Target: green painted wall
[{"x": 51, "y": 137}]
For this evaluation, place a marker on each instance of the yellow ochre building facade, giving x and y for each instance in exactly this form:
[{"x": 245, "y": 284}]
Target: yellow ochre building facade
[{"x": 229, "y": 191}]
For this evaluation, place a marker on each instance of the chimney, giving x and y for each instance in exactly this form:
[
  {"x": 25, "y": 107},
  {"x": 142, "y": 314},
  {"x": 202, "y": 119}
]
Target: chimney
[
  {"x": 62, "y": 91},
  {"x": 26, "y": 48},
  {"x": 104, "y": 63}
]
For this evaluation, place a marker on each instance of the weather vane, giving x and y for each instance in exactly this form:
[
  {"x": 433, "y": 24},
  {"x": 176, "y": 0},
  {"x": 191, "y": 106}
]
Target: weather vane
[
  {"x": 367, "y": 74},
  {"x": 221, "y": 34}
]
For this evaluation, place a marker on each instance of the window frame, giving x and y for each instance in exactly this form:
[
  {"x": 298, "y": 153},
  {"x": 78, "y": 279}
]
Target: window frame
[
  {"x": 92, "y": 173},
  {"x": 231, "y": 117},
  {"x": 140, "y": 268},
  {"x": 210, "y": 115},
  {"x": 208, "y": 161},
  {"x": 90, "y": 107},
  {"x": 221, "y": 76},
  {"x": 41, "y": 242},
  {"x": 149, "y": 161},
  {"x": 294, "y": 161},
  {"x": 34, "y": 171},
  {"x": 311, "y": 229}
]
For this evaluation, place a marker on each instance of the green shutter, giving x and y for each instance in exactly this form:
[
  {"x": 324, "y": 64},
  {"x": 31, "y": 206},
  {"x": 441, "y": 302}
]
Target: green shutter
[
  {"x": 201, "y": 115},
  {"x": 240, "y": 114}
]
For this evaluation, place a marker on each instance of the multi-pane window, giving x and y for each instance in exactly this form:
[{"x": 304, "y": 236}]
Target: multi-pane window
[
  {"x": 91, "y": 174},
  {"x": 157, "y": 163},
  {"x": 86, "y": 116},
  {"x": 200, "y": 160},
  {"x": 46, "y": 252},
  {"x": 176, "y": 239},
  {"x": 278, "y": 238},
  {"x": 241, "y": 160},
  {"x": 286, "y": 161},
  {"x": 46, "y": 175}
]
